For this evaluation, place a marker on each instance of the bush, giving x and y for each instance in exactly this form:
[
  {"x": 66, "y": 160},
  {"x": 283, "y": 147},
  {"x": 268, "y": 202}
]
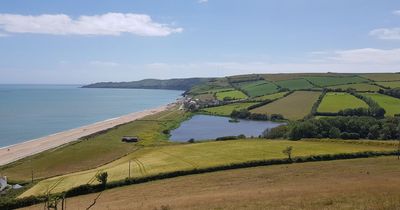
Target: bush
[
  {"x": 225, "y": 138},
  {"x": 276, "y": 133}
]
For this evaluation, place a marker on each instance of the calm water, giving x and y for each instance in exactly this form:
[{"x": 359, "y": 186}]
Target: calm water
[
  {"x": 32, "y": 111},
  {"x": 201, "y": 127}
]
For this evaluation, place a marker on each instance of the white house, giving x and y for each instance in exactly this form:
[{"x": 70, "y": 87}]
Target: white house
[{"x": 3, "y": 183}]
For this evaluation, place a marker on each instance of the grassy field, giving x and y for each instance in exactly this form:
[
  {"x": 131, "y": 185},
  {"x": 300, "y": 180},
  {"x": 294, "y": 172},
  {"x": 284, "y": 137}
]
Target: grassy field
[
  {"x": 271, "y": 96},
  {"x": 154, "y": 160},
  {"x": 280, "y": 77},
  {"x": 334, "y": 102},
  {"x": 95, "y": 151},
  {"x": 244, "y": 78},
  {"x": 226, "y": 110},
  {"x": 205, "y": 97},
  {"x": 331, "y": 81},
  {"x": 233, "y": 94},
  {"x": 390, "y": 104},
  {"x": 258, "y": 88},
  {"x": 357, "y": 87},
  {"x": 294, "y": 107},
  {"x": 390, "y": 84},
  {"x": 295, "y": 84},
  {"x": 358, "y": 184},
  {"x": 211, "y": 86},
  {"x": 382, "y": 77}
]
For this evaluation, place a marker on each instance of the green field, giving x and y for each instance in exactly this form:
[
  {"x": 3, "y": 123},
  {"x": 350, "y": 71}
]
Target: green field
[
  {"x": 287, "y": 76},
  {"x": 390, "y": 84},
  {"x": 334, "y": 102},
  {"x": 293, "y": 107},
  {"x": 382, "y": 77},
  {"x": 154, "y": 160},
  {"x": 258, "y": 88},
  {"x": 95, "y": 151},
  {"x": 295, "y": 84},
  {"x": 205, "y": 97},
  {"x": 244, "y": 78},
  {"x": 358, "y": 87},
  {"x": 233, "y": 94},
  {"x": 390, "y": 104},
  {"x": 215, "y": 85},
  {"x": 270, "y": 96},
  {"x": 226, "y": 110},
  {"x": 331, "y": 81}
]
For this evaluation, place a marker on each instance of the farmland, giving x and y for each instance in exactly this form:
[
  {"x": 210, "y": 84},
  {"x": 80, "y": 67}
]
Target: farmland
[
  {"x": 331, "y": 81},
  {"x": 226, "y": 110},
  {"x": 334, "y": 102},
  {"x": 233, "y": 94},
  {"x": 370, "y": 183},
  {"x": 271, "y": 96},
  {"x": 390, "y": 84},
  {"x": 154, "y": 160},
  {"x": 382, "y": 77},
  {"x": 390, "y": 104},
  {"x": 258, "y": 88},
  {"x": 294, "y": 107},
  {"x": 363, "y": 87},
  {"x": 205, "y": 97},
  {"x": 295, "y": 84}
]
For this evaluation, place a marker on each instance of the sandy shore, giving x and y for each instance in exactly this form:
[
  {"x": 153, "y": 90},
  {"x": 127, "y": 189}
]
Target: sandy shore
[{"x": 17, "y": 151}]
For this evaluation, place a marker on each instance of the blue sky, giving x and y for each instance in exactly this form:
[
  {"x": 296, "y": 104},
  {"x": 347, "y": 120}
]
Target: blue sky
[{"x": 84, "y": 41}]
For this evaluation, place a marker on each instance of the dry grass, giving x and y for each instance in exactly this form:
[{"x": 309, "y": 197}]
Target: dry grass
[{"x": 367, "y": 184}]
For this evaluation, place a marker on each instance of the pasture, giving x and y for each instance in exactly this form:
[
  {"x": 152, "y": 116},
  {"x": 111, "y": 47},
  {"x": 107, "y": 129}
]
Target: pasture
[
  {"x": 382, "y": 76},
  {"x": 333, "y": 102},
  {"x": 226, "y": 110},
  {"x": 390, "y": 104},
  {"x": 367, "y": 183},
  {"x": 232, "y": 94},
  {"x": 168, "y": 158},
  {"x": 363, "y": 87},
  {"x": 390, "y": 84},
  {"x": 270, "y": 96},
  {"x": 291, "y": 76},
  {"x": 205, "y": 97},
  {"x": 295, "y": 84},
  {"x": 293, "y": 107},
  {"x": 331, "y": 81},
  {"x": 258, "y": 88}
]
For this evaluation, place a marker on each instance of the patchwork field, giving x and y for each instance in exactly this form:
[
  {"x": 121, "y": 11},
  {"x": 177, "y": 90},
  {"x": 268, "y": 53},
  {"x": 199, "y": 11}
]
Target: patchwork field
[
  {"x": 382, "y": 77},
  {"x": 390, "y": 104},
  {"x": 331, "y": 81},
  {"x": 357, "y": 87},
  {"x": 295, "y": 84},
  {"x": 359, "y": 184},
  {"x": 226, "y": 110},
  {"x": 279, "y": 77},
  {"x": 258, "y": 88},
  {"x": 271, "y": 96},
  {"x": 334, "y": 102},
  {"x": 390, "y": 84},
  {"x": 219, "y": 84},
  {"x": 154, "y": 160},
  {"x": 233, "y": 94},
  {"x": 95, "y": 151},
  {"x": 294, "y": 106},
  {"x": 205, "y": 97}
]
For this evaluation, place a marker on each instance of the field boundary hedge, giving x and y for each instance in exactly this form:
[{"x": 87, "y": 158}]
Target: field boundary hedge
[{"x": 87, "y": 189}]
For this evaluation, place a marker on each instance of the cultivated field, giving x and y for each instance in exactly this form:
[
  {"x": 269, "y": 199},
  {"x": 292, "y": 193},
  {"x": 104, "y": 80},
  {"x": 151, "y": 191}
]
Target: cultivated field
[
  {"x": 390, "y": 84},
  {"x": 205, "y": 97},
  {"x": 359, "y": 184},
  {"x": 334, "y": 102},
  {"x": 295, "y": 84},
  {"x": 154, "y": 160},
  {"x": 271, "y": 96},
  {"x": 382, "y": 77},
  {"x": 226, "y": 110},
  {"x": 358, "y": 87},
  {"x": 233, "y": 94},
  {"x": 294, "y": 106},
  {"x": 390, "y": 104},
  {"x": 258, "y": 88},
  {"x": 331, "y": 81}
]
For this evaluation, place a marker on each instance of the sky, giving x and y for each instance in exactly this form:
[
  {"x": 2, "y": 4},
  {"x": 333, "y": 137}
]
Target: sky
[{"x": 86, "y": 41}]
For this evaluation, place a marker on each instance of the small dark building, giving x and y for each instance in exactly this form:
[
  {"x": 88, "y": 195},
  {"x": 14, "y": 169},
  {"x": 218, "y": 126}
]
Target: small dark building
[{"x": 130, "y": 139}]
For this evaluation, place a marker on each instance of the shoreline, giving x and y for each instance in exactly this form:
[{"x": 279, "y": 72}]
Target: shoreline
[{"x": 14, "y": 152}]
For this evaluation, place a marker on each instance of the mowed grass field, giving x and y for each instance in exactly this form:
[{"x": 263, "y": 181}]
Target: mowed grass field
[
  {"x": 271, "y": 96},
  {"x": 258, "y": 88},
  {"x": 331, "y": 81},
  {"x": 390, "y": 104},
  {"x": 226, "y": 110},
  {"x": 154, "y": 160},
  {"x": 95, "y": 151},
  {"x": 390, "y": 84},
  {"x": 333, "y": 102},
  {"x": 358, "y": 184},
  {"x": 233, "y": 94},
  {"x": 382, "y": 77},
  {"x": 294, "y": 106},
  {"x": 295, "y": 84},
  {"x": 357, "y": 87}
]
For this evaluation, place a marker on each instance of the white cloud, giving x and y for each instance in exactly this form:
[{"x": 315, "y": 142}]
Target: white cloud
[
  {"x": 104, "y": 63},
  {"x": 397, "y": 12},
  {"x": 202, "y": 1},
  {"x": 106, "y": 24},
  {"x": 386, "y": 33}
]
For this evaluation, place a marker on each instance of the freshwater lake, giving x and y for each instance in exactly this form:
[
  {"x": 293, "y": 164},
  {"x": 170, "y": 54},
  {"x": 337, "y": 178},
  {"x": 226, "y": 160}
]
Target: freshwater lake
[
  {"x": 202, "y": 127},
  {"x": 32, "y": 111}
]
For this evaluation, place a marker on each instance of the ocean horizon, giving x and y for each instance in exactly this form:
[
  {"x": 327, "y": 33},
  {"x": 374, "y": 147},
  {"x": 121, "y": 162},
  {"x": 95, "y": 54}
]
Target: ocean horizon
[{"x": 32, "y": 111}]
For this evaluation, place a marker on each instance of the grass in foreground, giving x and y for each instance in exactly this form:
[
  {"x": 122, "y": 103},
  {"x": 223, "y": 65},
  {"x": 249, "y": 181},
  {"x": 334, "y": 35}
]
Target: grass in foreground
[
  {"x": 233, "y": 94},
  {"x": 294, "y": 106},
  {"x": 334, "y": 102},
  {"x": 390, "y": 104},
  {"x": 357, "y": 87},
  {"x": 226, "y": 110},
  {"x": 154, "y": 160},
  {"x": 358, "y": 184},
  {"x": 96, "y": 150}
]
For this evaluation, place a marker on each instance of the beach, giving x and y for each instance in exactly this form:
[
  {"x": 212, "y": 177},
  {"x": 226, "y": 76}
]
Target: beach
[{"x": 18, "y": 151}]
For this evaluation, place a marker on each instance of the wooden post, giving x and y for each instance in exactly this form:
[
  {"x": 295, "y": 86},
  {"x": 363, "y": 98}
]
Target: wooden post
[
  {"x": 31, "y": 175},
  {"x": 129, "y": 169}
]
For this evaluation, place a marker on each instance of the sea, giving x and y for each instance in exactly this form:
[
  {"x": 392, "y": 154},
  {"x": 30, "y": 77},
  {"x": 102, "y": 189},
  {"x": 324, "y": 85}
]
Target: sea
[{"x": 32, "y": 111}]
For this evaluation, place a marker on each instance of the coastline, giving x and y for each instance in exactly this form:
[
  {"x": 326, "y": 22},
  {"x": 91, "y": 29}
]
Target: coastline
[{"x": 18, "y": 151}]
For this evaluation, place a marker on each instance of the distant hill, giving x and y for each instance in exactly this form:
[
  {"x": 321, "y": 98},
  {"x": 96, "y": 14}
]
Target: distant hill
[{"x": 169, "y": 84}]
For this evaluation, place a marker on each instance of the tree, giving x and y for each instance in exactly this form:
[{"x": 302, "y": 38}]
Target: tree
[
  {"x": 288, "y": 152},
  {"x": 334, "y": 133},
  {"x": 102, "y": 178}
]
